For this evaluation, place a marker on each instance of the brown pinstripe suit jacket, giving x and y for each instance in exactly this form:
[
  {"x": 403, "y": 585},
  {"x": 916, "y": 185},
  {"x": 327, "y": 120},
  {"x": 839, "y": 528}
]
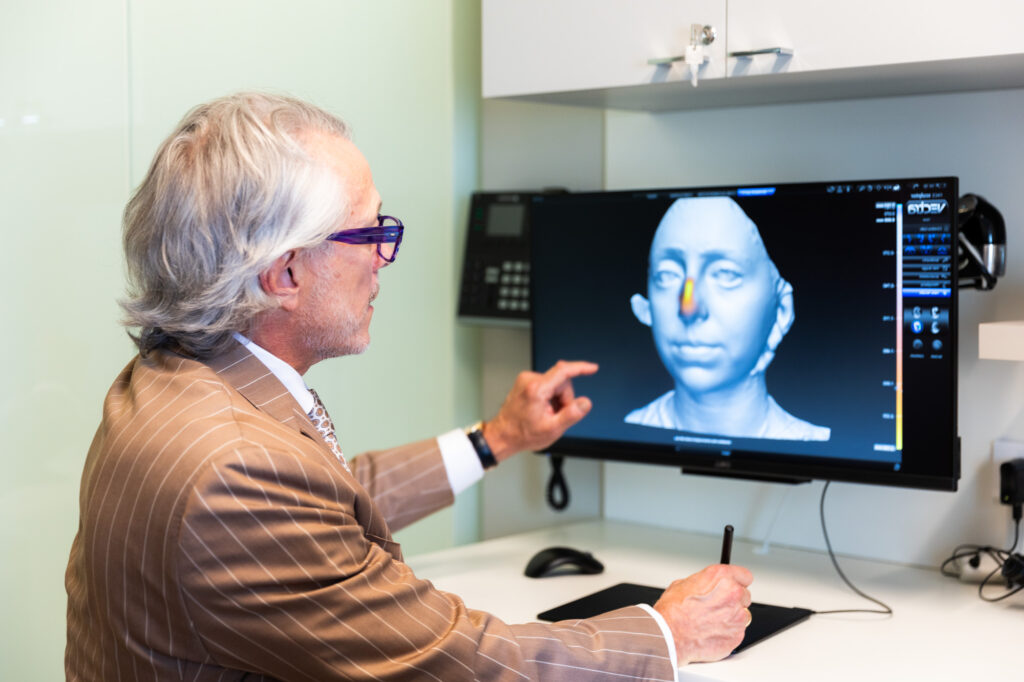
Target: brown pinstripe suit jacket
[{"x": 219, "y": 539}]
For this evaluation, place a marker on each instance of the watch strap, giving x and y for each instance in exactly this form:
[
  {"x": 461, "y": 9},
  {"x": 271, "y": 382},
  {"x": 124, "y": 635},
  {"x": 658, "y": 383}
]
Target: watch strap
[{"x": 475, "y": 433}]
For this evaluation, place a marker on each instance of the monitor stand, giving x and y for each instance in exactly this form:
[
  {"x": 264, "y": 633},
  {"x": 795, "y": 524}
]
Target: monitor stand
[{"x": 767, "y": 619}]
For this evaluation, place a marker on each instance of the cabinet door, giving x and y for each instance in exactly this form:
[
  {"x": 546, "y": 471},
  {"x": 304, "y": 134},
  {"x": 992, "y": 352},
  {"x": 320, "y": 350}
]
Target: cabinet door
[
  {"x": 536, "y": 46},
  {"x": 837, "y": 35}
]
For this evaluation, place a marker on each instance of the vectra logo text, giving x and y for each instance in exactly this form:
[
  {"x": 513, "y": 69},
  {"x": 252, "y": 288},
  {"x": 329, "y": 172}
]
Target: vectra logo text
[{"x": 933, "y": 207}]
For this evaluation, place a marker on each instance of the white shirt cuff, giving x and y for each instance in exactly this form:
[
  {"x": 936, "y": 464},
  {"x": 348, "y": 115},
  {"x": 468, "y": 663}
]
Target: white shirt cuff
[
  {"x": 460, "y": 460},
  {"x": 669, "y": 639}
]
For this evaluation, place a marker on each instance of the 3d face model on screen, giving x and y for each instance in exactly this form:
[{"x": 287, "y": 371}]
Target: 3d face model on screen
[{"x": 718, "y": 309}]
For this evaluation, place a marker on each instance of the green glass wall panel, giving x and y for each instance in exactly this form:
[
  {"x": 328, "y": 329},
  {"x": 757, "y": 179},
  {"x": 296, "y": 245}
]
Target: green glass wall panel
[{"x": 89, "y": 88}]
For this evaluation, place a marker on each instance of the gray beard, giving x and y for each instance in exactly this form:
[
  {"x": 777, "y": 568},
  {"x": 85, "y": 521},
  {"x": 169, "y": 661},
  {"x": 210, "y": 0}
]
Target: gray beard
[{"x": 337, "y": 336}]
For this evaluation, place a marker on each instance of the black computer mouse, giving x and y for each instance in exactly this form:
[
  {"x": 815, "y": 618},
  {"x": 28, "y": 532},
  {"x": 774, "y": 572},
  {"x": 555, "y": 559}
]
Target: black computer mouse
[{"x": 562, "y": 561}]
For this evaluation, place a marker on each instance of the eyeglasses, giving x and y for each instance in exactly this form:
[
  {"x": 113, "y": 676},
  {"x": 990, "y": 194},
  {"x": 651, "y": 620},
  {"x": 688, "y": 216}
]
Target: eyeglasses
[{"x": 387, "y": 235}]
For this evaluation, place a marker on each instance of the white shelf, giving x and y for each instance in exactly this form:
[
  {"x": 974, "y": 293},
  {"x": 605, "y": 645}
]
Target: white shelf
[{"x": 1001, "y": 340}]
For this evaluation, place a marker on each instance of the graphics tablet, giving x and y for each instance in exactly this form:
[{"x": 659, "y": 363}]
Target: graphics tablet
[{"x": 767, "y": 619}]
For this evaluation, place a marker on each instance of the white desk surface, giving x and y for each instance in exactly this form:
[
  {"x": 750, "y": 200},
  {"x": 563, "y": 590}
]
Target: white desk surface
[{"x": 940, "y": 630}]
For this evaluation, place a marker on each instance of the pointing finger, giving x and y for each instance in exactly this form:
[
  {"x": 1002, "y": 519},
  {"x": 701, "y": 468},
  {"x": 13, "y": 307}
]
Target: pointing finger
[{"x": 563, "y": 371}]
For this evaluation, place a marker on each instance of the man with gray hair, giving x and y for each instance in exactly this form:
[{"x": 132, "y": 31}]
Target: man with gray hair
[{"x": 223, "y": 533}]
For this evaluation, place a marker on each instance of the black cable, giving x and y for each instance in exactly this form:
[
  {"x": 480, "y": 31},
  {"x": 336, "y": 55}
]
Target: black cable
[
  {"x": 973, "y": 554},
  {"x": 1008, "y": 593},
  {"x": 886, "y": 609},
  {"x": 558, "y": 489}
]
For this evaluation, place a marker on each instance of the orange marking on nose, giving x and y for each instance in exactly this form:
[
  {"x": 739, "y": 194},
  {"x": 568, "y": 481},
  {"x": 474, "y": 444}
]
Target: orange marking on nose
[{"x": 686, "y": 303}]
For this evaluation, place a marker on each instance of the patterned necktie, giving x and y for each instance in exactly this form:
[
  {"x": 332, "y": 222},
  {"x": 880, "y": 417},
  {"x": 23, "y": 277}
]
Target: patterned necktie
[{"x": 322, "y": 421}]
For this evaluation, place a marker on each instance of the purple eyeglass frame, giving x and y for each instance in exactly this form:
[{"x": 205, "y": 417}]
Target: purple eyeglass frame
[{"x": 379, "y": 234}]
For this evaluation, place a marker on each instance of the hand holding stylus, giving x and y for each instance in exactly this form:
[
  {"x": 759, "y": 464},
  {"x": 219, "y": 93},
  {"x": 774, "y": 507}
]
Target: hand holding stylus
[{"x": 708, "y": 612}]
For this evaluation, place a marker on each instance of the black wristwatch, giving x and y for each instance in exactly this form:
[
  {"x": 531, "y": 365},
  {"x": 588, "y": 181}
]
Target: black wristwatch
[{"x": 475, "y": 433}]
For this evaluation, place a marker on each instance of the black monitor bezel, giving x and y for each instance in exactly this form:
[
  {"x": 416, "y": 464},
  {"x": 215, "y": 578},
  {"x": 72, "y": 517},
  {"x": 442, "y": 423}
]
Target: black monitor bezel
[{"x": 750, "y": 464}]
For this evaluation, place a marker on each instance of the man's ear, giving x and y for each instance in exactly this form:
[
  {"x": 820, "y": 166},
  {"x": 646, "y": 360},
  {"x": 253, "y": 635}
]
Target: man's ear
[
  {"x": 278, "y": 281},
  {"x": 784, "y": 314},
  {"x": 641, "y": 308}
]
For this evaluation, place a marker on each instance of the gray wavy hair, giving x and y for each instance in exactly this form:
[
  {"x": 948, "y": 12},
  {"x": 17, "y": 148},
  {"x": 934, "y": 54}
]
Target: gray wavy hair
[{"x": 230, "y": 190}]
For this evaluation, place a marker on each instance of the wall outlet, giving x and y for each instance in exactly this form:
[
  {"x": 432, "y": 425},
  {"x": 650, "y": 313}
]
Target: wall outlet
[{"x": 1004, "y": 449}]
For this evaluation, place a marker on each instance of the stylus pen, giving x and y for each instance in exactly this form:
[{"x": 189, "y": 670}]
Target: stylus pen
[{"x": 727, "y": 545}]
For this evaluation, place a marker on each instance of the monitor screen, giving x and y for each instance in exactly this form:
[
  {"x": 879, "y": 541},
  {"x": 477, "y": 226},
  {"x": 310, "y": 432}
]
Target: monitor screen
[{"x": 786, "y": 331}]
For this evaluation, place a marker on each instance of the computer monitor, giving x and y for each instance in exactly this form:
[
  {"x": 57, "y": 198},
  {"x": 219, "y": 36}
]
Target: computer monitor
[{"x": 778, "y": 331}]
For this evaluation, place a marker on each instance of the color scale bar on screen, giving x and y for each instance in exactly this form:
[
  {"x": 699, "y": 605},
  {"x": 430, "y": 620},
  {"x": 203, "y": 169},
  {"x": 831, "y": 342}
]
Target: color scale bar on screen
[{"x": 899, "y": 327}]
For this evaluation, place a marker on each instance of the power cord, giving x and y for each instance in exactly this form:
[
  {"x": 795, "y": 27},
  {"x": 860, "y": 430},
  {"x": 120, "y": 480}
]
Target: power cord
[
  {"x": 886, "y": 609},
  {"x": 1008, "y": 565}
]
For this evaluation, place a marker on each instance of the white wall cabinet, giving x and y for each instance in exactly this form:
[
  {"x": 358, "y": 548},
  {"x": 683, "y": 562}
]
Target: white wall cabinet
[
  {"x": 543, "y": 46},
  {"x": 595, "y": 52},
  {"x": 869, "y": 33}
]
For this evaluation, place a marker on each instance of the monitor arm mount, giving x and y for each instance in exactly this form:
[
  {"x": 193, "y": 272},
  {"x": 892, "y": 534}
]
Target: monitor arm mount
[{"x": 981, "y": 253}]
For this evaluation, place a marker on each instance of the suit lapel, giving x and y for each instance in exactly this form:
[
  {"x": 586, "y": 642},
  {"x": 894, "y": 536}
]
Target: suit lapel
[{"x": 257, "y": 384}]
